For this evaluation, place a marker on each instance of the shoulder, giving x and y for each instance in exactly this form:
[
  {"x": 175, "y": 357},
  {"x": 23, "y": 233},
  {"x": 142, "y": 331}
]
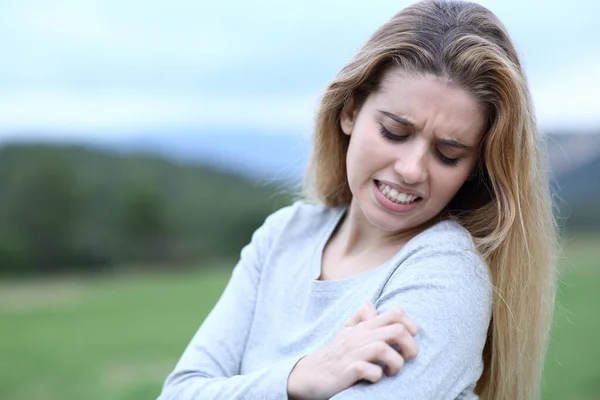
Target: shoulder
[
  {"x": 447, "y": 245},
  {"x": 444, "y": 256},
  {"x": 444, "y": 234},
  {"x": 297, "y": 224},
  {"x": 302, "y": 209},
  {"x": 301, "y": 217}
]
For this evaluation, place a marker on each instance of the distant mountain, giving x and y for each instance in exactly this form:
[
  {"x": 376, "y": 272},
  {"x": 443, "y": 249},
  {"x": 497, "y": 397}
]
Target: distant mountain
[
  {"x": 577, "y": 196},
  {"x": 256, "y": 155},
  {"x": 582, "y": 183},
  {"x": 575, "y": 166},
  {"x": 74, "y": 205},
  {"x": 570, "y": 151}
]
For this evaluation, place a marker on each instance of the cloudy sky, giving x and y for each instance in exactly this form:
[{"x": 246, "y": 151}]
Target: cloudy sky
[{"x": 119, "y": 67}]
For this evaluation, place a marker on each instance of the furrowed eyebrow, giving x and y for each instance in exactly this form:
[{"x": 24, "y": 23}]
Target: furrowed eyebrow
[
  {"x": 454, "y": 143},
  {"x": 409, "y": 125},
  {"x": 400, "y": 120}
]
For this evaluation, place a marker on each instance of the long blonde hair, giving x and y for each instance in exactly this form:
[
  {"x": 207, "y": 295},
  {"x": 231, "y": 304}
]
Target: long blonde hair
[{"x": 507, "y": 207}]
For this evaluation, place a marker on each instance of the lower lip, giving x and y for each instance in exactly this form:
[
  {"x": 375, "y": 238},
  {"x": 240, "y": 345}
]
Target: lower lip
[{"x": 391, "y": 205}]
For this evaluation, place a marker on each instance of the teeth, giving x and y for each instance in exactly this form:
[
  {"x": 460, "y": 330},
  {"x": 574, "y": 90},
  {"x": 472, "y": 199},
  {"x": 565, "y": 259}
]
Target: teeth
[{"x": 392, "y": 194}]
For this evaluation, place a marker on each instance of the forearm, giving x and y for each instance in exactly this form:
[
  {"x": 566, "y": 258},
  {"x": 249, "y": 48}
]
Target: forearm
[{"x": 269, "y": 383}]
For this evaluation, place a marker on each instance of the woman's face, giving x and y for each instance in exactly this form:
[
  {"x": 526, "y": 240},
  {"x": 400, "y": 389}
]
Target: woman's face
[{"x": 412, "y": 146}]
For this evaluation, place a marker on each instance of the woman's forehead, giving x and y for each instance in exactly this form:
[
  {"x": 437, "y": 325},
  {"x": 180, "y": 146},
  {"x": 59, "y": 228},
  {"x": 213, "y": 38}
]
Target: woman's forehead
[{"x": 431, "y": 103}]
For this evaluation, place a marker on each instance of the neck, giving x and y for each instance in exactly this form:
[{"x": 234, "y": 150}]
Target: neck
[{"x": 357, "y": 235}]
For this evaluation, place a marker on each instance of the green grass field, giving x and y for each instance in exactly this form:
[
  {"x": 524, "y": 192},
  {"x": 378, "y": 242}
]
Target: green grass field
[{"x": 118, "y": 337}]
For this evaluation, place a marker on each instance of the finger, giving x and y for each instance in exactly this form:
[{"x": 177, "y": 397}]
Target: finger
[
  {"x": 369, "y": 311},
  {"x": 359, "y": 370},
  {"x": 393, "y": 316},
  {"x": 365, "y": 312},
  {"x": 381, "y": 352},
  {"x": 397, "y": 334}
]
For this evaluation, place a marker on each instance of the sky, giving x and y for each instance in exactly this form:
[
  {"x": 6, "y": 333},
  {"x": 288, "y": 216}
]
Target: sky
[{"x": 84, "y": 68}]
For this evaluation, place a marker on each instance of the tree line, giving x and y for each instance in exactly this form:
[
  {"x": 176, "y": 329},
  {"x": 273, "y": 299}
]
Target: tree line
[{"x": 72, "y": 208}]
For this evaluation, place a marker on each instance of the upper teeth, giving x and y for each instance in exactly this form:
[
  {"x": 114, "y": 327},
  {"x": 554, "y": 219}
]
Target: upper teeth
[{"x": 393, "y": 194}]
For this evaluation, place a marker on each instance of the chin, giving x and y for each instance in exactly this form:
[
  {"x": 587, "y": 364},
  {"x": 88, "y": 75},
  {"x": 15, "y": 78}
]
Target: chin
[{"x": 385, "y": 221}]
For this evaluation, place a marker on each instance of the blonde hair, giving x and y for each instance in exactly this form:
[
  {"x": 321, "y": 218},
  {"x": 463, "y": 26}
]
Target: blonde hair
[{"x": 507, "y": 207}]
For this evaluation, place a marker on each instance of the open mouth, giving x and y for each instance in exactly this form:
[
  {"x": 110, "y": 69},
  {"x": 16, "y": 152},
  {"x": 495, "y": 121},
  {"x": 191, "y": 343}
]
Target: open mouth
[{"x": 396, "y": 196}]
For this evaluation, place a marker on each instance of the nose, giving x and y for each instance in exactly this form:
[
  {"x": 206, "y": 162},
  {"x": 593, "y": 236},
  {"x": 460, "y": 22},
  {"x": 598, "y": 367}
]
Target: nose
[{"x": 412, "y": 165}]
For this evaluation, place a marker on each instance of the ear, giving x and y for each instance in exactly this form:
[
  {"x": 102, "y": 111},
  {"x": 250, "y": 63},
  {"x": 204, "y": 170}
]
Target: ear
[{"x": 347, "y": 117}]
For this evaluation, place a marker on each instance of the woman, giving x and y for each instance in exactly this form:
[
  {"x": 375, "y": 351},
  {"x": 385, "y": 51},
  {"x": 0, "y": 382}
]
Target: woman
[{"x": 432, "y": 209}]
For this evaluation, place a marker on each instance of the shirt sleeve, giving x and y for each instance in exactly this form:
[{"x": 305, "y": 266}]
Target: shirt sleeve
[
  {"x": 446, "y": 289},
  {"x": 210, "y": 365}
]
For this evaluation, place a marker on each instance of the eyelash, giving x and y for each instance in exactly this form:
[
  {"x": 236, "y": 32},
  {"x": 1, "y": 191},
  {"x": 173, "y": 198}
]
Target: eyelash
[
  {"x": 446, "y": 160},
  {"x": 391, "y": 136},
  {"x": 401, "y": 138}
]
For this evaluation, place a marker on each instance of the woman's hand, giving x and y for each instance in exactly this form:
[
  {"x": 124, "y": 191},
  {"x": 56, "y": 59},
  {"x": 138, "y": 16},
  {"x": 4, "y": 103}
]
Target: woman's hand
[{"x": 361, "y": 350}]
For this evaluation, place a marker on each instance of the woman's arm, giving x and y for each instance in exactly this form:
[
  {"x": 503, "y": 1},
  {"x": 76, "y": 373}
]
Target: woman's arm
[
  {"x": 446, "y": 289},
  {"x": 364, "y": 341},
  {"x": 210, "y": 365}
]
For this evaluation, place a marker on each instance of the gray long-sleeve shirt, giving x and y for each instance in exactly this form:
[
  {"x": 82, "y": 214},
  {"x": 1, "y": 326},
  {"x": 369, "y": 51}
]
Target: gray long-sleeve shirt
[{"x": 274, "y": 311}]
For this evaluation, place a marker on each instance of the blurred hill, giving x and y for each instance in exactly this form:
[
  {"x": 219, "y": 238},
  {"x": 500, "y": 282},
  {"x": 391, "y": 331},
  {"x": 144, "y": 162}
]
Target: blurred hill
[
  {"x": 575, "y": 166},
  {"x": 255, "y": 155},
  {"x": 72, "y": 207},
  {"x": 568, "y": 151}
]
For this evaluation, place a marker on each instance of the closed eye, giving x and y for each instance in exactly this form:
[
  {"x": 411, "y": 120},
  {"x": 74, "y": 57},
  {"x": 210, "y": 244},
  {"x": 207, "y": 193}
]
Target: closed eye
[
  {"x": 391, "y": 136},
  {"x": 451, "y": 161},
  {"x": 445, "y": 159}
]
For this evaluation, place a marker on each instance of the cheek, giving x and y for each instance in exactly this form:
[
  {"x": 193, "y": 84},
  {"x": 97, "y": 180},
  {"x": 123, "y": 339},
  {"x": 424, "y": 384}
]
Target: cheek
[
  {"x": 365, "y": 150},
  {"x": 448, "y": 181}
]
